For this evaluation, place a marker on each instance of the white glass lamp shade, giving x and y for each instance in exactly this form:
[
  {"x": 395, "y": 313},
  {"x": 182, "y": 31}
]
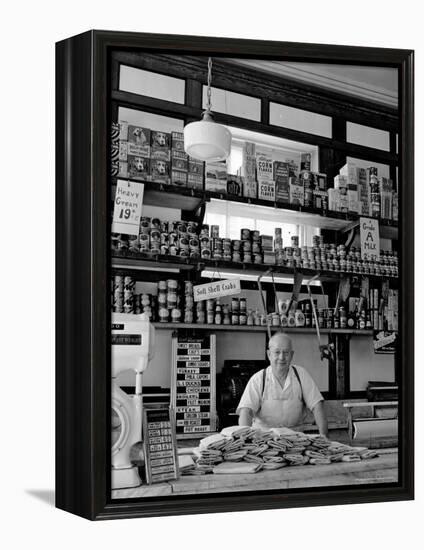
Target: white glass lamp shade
[{"x": 207, "y": 140}]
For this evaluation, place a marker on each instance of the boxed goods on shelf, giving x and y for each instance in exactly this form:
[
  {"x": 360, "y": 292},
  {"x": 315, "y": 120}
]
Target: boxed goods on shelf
[
  {"x": 216, "y": 177},
  {"x": 281, "y": 178}
]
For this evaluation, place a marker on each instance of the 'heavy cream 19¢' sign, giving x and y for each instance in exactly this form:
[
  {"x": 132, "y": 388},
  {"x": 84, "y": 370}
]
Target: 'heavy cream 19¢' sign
[
  {"x": 216, "y": 289},
  {"x": 370, "y": 239}
]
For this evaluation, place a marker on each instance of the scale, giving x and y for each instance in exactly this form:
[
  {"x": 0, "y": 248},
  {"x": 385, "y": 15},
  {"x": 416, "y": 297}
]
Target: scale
[{"x": 133, "y": 344}]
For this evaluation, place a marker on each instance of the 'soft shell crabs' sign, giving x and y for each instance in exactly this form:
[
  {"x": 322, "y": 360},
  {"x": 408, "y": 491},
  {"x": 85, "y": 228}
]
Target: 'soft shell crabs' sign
[{"x": 216, "y": 289}]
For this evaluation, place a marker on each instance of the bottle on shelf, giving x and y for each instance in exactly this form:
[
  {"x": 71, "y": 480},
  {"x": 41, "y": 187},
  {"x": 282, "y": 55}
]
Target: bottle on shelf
[
  {"x": 218, "y": 313},
  {"x": 342, "y": 317}
]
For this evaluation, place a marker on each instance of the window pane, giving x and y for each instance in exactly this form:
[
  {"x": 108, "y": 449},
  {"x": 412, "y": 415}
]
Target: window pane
[
  {"x": 299, "y": 119},
  {"x": 231, "y": 103},
  {"x": 383, "y": 170},
  {"x": 370, "y": 137},
  {"x": 138, "y": 81},
  {"x": 149, "y": 120}
]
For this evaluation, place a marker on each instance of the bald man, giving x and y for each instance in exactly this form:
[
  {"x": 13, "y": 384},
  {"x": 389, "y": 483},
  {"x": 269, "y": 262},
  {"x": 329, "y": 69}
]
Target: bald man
[{"x": 278, "y": 396}]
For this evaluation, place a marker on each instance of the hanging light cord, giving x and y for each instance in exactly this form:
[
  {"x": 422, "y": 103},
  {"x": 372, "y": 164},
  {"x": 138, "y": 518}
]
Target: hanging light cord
[{"x": 209, "y": 90}]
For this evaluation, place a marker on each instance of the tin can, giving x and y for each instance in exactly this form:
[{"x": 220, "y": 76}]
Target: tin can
[
  {"x": 246, "y": 245},
  {"x": 210, "y": 304},
  {"x": 188, "y": 316},
  {"x": 195, "y": 253},
  {"x": 175, "y": 315},
  {"x": 174, "y": 250},
  {"x": 215, "y": 231},
  {"x": 129, "y": 284},
  {"x": 257, "y": 258},
  {"x": 234, "y": 318},
  {"x": 210, "y": 317},
  {"x": 205, "y": 253},
  {"x": 133, "y": 243},
  {"x": 182, "y": 228},
  {"x": 227, "y": 256},
  {"x": 242, "y": 318},
  {"x": 122, "y": 242},
  {"x": 171, "y": 299},
  {"x": 155, "y": 223},
  {"x": 145, "y": 225},
  {"x": 184, "y": 254},
  {"x": 189, "y": 302},
  {"x": 164, "y": 249},
  {"x": 173, "y": 238},
  {"x": 164, "y": 238},
  {"x": 235, "y": 304},
  {"x": 236, "y": 257},
  {"x": 173, "y": 227},
  {"x": 194, "y": 242},
  {"x": 294, "y": 241},
  {"x": 236, "y": 245},
  {"x": 256, "y": 235},
  {"x": 164, "y": 227},
  {"x": 188, "y": 288},
  {"x": 247, "y": 258},
  {"x": 155, "y": 251},
  {"x": 192, "y": 228},
  {"x": 242, "y": 304},
  {"x": 162, "y": 298},
  {"x": 204, "y": 231},
  {"x": 205, "y": 242},
  {"x": 217, "y": 243},
  {"x": 256, "y": 247},
  {"x": 163, "y": 314},
  {"x": 184, "y": 243},
  {"x": 245, "y": 234}
]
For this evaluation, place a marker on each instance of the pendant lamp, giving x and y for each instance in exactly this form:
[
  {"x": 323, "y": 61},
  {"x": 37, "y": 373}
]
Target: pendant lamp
[{"x": 206, "y": 140}]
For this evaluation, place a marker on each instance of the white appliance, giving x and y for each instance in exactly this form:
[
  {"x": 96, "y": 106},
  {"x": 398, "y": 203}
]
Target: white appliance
[{"x": 133, "y": 344}]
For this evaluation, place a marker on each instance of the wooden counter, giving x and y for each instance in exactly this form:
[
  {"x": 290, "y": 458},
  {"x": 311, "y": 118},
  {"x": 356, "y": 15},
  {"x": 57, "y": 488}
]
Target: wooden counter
[{"x": 383, "y": 469}]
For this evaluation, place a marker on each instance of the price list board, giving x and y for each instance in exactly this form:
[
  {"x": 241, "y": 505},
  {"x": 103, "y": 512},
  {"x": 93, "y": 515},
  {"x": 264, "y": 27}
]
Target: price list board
[
  {"x": 193, "y": 389},
  {"x": 160, "y": 449}
]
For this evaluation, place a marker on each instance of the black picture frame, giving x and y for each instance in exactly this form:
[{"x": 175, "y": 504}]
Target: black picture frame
[{"x": 82, "y": 267}]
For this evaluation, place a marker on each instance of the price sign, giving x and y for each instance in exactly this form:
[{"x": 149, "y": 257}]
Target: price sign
[
  {"x": 370, "y": 239},
  {"x": 127, "y": 207},
  {"x": 193, "y": 385},
  {"x": 160, "y": 448},
  {"x": 216, "y": 289},
  {"x": 385, "y": 341}
]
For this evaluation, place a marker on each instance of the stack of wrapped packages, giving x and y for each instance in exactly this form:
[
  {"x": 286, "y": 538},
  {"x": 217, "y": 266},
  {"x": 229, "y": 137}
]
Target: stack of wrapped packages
[{"x": 242, "y": 449}]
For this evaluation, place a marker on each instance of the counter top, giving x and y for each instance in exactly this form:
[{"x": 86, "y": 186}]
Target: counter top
[{"x": 383, "y": 469}]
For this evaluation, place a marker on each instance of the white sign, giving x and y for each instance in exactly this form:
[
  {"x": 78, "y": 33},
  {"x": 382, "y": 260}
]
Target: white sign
[
  {"x": 216, "y": 289},
  {"x": 127, "y": 207},
  {"x": 370, "y": 239}
]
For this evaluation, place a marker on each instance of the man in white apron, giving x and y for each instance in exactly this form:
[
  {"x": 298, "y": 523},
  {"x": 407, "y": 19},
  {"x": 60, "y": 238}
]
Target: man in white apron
[{"x": 278, "y": 396}]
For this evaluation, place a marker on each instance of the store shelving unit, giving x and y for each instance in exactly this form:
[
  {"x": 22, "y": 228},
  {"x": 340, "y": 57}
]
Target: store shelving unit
[{"x": 332, "y": 155}]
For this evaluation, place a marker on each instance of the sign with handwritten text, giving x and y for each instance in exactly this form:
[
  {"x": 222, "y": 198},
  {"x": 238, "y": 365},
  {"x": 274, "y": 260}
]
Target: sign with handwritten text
[
  {"x": 370, "y": 239},
  {"x": 127, "y": 207},
  {"x": 216, "y": 289}
]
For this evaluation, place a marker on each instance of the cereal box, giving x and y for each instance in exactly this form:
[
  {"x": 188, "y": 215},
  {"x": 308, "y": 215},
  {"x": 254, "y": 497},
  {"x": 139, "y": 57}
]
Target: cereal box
[
  {"x": 196, "y": 170},
  {"x": 320, "y": 182},
  {"x": 264, "y": 165},
  {"x": 160, "y": 170},
  {"x": 305, "y": 161},
  {"x": 160, "y": 145},
  {"x": 178, "y": 178},
  {"x": 250, "y": 188},
  {"x": 138, "y": 141},
  {"x": 334, "y": 199},
  {"x": 297, "y": 192},
  {"x": 266, "y": 190},
  {"x": 216, "y": 177},
  {"x": 320, "y": 199},
  {"x": 179, "y": 160},
  {"x": 248, "y": 169},
  {"x": 123, "y": 130},
  {"x": 350, "y": 172},
  {"x": 281, "y": 177},
  {"x": 138, "y": 168},
  {"x": 234, "y": 185},
  {"x": 177, "y": 141},
  {"x": 353, "y": 198}
]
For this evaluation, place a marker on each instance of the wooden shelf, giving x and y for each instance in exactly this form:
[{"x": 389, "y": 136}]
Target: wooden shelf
[
  {"x": 137, "y": 260},
  {"x": 183, "y": 198},
  {"x": 262, "y": 329}
]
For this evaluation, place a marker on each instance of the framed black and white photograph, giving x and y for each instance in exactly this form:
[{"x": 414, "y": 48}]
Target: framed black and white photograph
[{"x": 234, "y": 275}]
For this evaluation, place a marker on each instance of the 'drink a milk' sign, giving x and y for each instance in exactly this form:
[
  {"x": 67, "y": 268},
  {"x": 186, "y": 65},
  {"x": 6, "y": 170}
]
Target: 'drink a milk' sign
[
  {"x": 216, "y": 289},
  {"x": 370, "y": 239}
]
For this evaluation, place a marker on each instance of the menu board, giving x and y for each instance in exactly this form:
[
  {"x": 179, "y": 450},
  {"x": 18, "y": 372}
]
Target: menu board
[
  {"x": 159, "y": 445},
  {"x": 193, "y": 385}
]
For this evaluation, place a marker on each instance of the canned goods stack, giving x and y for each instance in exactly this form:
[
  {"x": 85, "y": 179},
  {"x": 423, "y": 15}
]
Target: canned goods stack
[
  {"x": 188, "y": 302},
  {"x": 169, "y": 301},
  {"x": 118, "y": 294}
]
